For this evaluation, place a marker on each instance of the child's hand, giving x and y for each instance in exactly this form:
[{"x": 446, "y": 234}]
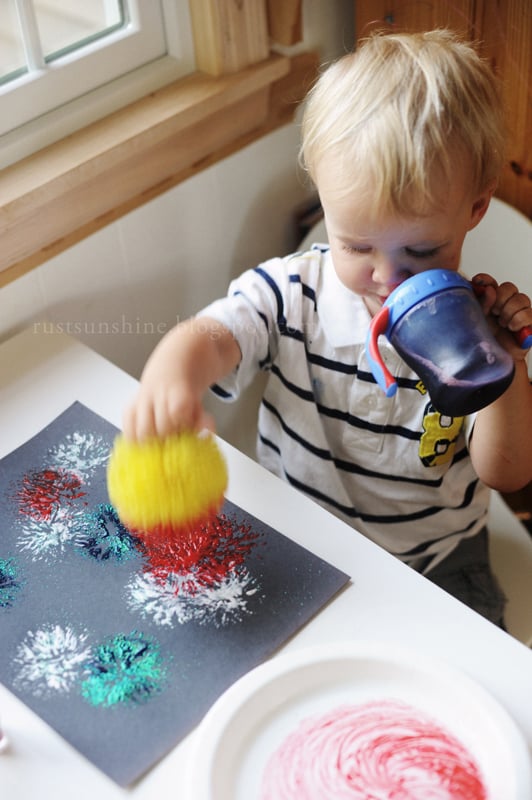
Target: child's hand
[
  {"x": 160, "y": 410},
  {"x": 190, "y": 358},
  {"x": 508, "y": 311}
]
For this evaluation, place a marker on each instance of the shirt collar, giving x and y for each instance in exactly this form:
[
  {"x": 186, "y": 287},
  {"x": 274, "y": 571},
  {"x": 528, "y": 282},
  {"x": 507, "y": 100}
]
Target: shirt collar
[{"x": 343, "y": 313}]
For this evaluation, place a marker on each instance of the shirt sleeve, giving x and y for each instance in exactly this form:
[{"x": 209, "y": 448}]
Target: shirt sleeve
[
  {"x": 251, "y": 312},
  {"x": 469, "y": 424}
]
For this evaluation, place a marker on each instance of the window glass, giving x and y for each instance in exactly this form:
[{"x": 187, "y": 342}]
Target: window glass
[
  {"x": 66, "y": 25},
  {"x": 12, "y": 60}
]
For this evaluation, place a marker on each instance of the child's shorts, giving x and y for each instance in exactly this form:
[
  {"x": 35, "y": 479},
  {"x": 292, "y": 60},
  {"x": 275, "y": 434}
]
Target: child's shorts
[{"x": 467, "y": 575}]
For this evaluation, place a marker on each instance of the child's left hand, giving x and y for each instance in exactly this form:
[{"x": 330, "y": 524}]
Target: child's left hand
[{"x": 507, "y": 309}]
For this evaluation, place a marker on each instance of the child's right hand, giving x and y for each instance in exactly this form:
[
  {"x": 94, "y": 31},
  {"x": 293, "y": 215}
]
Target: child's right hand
[
  {"x": 160, "y": 410},
  {"x": 185, "y": 363}
]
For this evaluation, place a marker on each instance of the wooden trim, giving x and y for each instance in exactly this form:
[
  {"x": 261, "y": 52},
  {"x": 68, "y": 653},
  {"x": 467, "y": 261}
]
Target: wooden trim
[
  {"x": 285, "y": 21},
  {"x": 505, "y": 31},
  {"x": 73, "y": 188},
  {"x": 228, "y": 35},
  {"x": 397, "y": 15}
]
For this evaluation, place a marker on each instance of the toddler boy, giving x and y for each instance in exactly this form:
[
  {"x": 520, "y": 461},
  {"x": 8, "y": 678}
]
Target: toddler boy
[{"x": 404, "y": 141}]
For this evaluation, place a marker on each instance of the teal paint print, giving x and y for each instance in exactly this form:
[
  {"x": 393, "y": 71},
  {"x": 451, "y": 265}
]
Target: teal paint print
[
  {"x": 10, "y": 583},
  {"x": 124, "y": 670}
]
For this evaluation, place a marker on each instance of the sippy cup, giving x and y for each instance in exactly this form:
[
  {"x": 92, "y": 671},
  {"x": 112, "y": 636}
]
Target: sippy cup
[{"x": 435, "y": 323}]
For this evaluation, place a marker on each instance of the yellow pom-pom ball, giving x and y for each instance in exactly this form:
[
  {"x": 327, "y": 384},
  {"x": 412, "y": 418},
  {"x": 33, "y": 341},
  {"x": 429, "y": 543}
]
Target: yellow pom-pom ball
[{"x": 169, "y": 482}]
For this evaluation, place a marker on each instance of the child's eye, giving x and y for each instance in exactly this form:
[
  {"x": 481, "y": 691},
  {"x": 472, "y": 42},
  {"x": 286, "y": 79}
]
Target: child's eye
[
  {"x": 361, "y": 249},
  {"x": 421, "y": 253}
]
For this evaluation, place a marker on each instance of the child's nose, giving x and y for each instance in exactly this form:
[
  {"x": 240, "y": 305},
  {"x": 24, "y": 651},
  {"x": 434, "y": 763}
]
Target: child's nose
[{"x": 386, "y": 270}]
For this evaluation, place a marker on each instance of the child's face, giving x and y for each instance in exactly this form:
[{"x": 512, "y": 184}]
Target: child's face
[{"x": 372, "y": 255}]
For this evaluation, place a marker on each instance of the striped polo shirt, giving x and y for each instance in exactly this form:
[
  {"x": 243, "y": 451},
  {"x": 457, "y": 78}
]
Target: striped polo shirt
[{"x": 393, "y": 468}]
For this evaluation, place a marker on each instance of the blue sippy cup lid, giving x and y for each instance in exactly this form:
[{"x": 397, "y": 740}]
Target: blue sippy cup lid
[
  {"x": 408, "y": 294},
  {"x": 417, "y": 288}
]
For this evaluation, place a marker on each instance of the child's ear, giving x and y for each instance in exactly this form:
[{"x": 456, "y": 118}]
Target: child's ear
[{"x": 480, "y": 205}]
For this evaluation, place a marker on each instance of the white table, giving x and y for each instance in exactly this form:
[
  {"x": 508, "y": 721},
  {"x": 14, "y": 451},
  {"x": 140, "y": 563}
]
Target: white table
[{"x": 43, "y": 373}]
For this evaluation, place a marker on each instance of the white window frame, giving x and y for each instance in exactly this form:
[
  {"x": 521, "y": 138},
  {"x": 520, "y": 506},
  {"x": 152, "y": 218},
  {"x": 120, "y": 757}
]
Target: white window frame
[{"x": 153, "y": 49}]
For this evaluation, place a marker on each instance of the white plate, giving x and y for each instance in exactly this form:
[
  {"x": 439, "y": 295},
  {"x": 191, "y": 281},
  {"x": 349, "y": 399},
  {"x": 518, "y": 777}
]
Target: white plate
[{"x": 250, "y": 720}]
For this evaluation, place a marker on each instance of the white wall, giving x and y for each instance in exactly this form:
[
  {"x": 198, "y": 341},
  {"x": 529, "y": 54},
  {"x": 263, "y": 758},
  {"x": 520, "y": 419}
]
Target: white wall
[{"x": 119, "y": 290}]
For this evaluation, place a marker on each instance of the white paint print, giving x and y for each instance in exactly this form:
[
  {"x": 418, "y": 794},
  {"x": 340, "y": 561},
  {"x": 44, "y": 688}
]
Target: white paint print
[
  {"x": 80, "y": 452},
  {"x": 49, "y": 502},
  {"x": 45, "y": 539},
  {"x": 185, "y": 598},
  {"x": 50, "y": 660}
]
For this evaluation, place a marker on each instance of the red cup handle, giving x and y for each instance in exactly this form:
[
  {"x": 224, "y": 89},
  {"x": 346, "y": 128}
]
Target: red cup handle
[{"x": 381, "y": 373}]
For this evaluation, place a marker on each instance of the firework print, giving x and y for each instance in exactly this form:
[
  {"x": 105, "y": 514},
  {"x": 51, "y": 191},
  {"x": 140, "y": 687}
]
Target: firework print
[
  {"x": 50, "y": 660},
  {"x": 105, "y": 634},
  {"x": 46, "y": 539},
  {"x": 42, "y": 493},
  {"x": 124, "y": 670},
  {"x": 179, "y": 598},
  {"x": 101, "y": 535},
  {"x": 10, "y": 582},
  {"x": 81, "y": 453}
]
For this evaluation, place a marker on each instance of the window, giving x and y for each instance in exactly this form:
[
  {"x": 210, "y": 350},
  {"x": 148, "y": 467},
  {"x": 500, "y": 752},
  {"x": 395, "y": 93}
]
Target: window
[
  {"x": 65, "y": 192},
  {"x": 55, "y": 51},
  {"x": 38, "y": 33}
]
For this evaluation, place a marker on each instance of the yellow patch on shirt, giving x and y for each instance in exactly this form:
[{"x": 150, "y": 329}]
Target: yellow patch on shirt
[{"x": 438, "y": 442}]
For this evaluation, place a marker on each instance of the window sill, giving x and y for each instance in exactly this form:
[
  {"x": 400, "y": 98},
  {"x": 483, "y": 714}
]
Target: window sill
[{"x": 71, "y": 189}]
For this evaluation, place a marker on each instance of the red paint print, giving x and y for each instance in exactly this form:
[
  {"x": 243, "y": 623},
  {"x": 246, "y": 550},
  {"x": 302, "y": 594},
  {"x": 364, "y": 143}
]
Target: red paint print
[
  {"x": 42, "y": 492},
  {"x": 207, "y": 551},
  {"x": 375, "y": 751}
]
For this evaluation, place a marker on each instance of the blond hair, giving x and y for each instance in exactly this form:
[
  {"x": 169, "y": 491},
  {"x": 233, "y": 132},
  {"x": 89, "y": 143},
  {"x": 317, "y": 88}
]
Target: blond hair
[{"x": 400, "y": 107}]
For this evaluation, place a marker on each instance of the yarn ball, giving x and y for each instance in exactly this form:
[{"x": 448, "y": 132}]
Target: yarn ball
[{"x": 170, "y": 482}]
